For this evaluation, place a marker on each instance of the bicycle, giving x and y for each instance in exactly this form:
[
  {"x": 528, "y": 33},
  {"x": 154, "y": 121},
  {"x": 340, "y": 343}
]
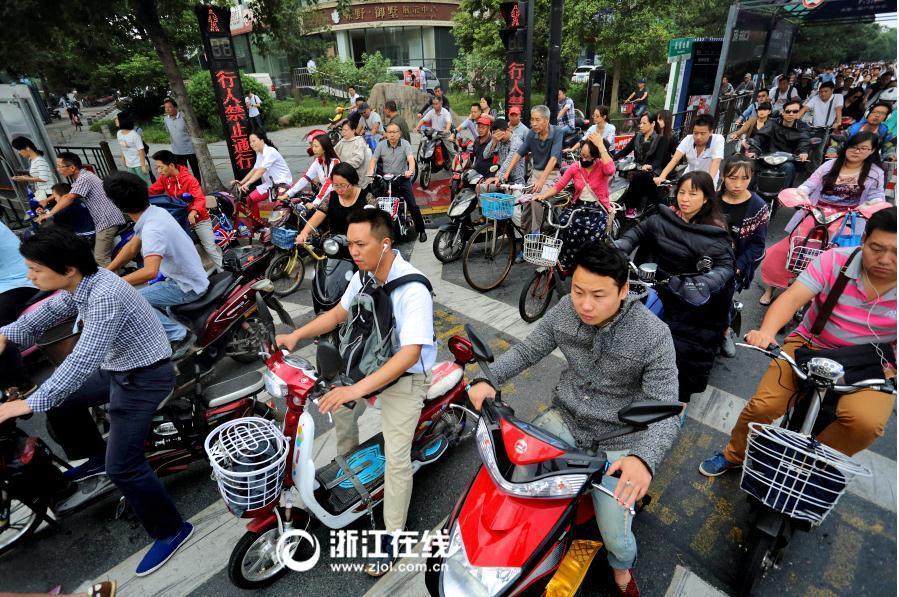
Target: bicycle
[
  {"x": 490, "y": 251},
  {"x": 403, "y": 225},
  {"x": 793, "y": 481},
  {"x": 543, "y": 251}
]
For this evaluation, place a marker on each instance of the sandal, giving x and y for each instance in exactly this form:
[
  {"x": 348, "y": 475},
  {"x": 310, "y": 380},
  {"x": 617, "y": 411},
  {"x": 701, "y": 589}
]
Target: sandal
[
  {"x": 764, "y": 302},
  {"x": 107, "y": 588}
]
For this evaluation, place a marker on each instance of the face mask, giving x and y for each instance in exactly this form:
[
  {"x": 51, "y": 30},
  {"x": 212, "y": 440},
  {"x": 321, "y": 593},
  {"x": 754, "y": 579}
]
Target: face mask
[{"x": 586, "y": 163}]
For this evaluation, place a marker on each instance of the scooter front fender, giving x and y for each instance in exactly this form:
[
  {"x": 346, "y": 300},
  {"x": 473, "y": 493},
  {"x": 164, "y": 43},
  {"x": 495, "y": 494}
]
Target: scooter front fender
[
  {"x": 452, "y": 226},
  {"x": 263, "y": 523},
  {"x": 501, "y": 530}
]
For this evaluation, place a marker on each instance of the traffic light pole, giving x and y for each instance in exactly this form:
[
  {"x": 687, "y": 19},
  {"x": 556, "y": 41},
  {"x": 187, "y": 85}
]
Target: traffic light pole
[{"x": 554, "y": 57}]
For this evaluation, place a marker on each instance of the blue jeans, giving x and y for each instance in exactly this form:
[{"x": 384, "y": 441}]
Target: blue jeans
[
  {"x": 167, "y": 294},
  {"x": 789, "y": 169},
  {"x": 133, "y": 397},
  {"x": 613, "y": 519}
]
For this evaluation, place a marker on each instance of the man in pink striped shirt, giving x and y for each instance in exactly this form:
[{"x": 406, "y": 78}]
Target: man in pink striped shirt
[{"x": 865, "y": 313}]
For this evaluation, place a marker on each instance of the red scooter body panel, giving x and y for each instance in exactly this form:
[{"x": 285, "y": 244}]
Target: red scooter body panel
[
  {"x": 240, "y": 301},
  {"x": 502, "y": 530},
  {"x": 524, "y": 449}
]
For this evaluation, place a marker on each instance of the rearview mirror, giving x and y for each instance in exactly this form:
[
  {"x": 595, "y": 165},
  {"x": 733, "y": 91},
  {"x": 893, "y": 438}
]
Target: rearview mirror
[
  {"x": 328, "y": 360},
  {"x": 482, "y": 352},
  {"x": 646, "y": 412}
]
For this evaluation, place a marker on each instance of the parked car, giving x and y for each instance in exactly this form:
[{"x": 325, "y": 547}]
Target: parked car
[
  {"x": 581, "y": 74},
  {"x": 430, "y": 80}
]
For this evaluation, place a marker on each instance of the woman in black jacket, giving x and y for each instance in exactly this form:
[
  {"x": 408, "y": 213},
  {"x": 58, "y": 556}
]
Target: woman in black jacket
[
  {"x": 650, "y": 149},
  {"x": 691, "y": 244}
]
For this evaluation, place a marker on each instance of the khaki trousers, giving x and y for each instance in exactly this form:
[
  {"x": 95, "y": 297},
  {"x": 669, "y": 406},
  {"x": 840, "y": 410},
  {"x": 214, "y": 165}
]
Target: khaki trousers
[
  {"x": 861, "y": 416},
  {"x": 532, "y": 212},
  {"x": 401, "y": 406},
  {"x": 104, "y": 242}
]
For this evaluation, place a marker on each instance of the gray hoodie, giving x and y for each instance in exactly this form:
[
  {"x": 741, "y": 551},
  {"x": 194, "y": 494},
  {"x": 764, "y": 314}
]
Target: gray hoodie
[{"x": 628, "y": 359}]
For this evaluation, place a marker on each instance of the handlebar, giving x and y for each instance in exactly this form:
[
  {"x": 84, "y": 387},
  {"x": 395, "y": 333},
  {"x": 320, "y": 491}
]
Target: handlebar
[
  {"x": 775, "y": 352},
  {"x": 496, "y": 187}
]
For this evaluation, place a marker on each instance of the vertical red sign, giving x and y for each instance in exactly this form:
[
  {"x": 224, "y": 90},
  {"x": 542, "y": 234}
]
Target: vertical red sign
[{"x": 222, "y": 64}]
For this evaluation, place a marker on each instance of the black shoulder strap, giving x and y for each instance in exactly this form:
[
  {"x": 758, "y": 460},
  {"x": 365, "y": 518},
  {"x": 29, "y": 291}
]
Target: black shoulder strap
[
  {"x": 833, "y": 296},
  {"x": 407, "y": 279}
]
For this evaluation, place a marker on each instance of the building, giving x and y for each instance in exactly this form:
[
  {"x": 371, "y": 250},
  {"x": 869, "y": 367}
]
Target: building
[{"x": 413, "y": 33}]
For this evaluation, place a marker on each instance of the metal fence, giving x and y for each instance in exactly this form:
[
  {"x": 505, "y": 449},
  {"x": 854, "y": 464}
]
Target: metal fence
[{"x": 100, "y": 159}]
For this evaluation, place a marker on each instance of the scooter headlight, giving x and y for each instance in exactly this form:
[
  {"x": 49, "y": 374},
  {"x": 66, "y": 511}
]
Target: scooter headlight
[
  {"x": 554, "y": 487},
  {"x": 774, "y": 160},
  {"x": 460, "y": 577},
  {"x": 331, "y": 246},
  {"x": 457, "y": 209},
  {"x": 274, "y": 385}
]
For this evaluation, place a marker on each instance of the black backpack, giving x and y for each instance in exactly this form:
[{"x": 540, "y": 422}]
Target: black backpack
[{"x": 367, "y": 336}]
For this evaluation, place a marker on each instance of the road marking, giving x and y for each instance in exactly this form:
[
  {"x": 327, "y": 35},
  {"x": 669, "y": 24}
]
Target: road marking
[
  {"x": 720, "y": 410},
  {"x": 686, "y": 583}
]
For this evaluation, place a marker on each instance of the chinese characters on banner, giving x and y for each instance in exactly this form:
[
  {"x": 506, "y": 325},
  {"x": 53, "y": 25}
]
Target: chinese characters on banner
[{"x": 226, "y": 85}]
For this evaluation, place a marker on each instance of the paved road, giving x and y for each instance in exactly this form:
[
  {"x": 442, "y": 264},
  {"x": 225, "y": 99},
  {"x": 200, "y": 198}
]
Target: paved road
[{"x": 689, "y": 537}]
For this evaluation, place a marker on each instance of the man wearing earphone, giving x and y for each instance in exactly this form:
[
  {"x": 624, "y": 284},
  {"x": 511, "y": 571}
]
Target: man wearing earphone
[
  {"x": 401, "y": 383},
  {"x": 862, "y": 281}
]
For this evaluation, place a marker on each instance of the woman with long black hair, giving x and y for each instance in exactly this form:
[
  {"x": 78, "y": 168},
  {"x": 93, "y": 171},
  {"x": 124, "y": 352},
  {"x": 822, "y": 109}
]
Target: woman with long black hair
[
  {"x": 319, "y": 171},
  {"x": 692, "y": 247},
  {"x": 853, "y": 178}
]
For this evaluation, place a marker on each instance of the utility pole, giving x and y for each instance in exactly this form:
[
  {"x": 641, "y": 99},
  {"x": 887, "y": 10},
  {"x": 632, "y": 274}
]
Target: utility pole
[{"x": 554, "y": 57}]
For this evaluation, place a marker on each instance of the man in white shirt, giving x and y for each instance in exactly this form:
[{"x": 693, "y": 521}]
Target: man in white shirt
[
  {"x": 370, "y": 126},
  {"x": 826, "y": 106},
  {"x": 253, "y": 104},
  {"x": 166, "y": 249},
  {"x": 401, "y": 383},
  {"x": 438, "y": 117},
  {"x": 781, "y": 93},
  {"x": 703, "y": 149}
]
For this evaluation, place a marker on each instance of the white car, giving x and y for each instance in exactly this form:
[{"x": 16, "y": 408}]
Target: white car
[
  {"x": 581, "y": 74},
  {"x": 429, "y": 78}
]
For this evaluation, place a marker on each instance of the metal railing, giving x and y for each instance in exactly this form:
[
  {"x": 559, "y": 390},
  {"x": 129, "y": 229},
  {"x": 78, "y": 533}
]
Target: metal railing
[
  {"x": 100, "y": 158},
  {"x": 319, "y": 82}
]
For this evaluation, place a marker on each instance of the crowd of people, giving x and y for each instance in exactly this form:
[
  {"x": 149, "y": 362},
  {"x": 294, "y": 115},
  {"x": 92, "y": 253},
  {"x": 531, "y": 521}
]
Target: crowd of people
[{"x": 709, "y": 242}]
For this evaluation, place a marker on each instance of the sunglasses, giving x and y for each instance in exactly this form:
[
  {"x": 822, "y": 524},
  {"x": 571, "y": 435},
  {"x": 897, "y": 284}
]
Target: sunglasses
[{"x": 791, "y": 111}]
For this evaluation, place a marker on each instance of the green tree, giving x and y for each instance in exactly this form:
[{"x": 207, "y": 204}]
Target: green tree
[{"x": 838, "y": 44}]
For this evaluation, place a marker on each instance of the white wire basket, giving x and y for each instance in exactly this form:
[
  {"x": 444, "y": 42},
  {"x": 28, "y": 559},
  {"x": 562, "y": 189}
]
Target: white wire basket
[
  {"x": 802, "y": 252},
  {"x": 389, "y": 204},
  {"x": 542, "y": 250},
  {"x": 794, "y": 474},
  {"x": 248, "y": 458}
]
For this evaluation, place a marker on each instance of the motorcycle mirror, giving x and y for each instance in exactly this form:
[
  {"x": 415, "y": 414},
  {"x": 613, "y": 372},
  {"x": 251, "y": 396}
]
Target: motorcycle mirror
[
  {"x": 482, "y": 351},
  {"x": 646, "y": 412},
  {"x": 328, "y": 361}
]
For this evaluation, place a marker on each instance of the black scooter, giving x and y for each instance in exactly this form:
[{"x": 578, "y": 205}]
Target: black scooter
[{"x": 451, "y": 238}]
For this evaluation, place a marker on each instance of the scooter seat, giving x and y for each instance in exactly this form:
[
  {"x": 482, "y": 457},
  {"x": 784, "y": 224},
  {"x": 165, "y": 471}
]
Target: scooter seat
[
  {"x": 444, "y": 377},
  {"x": 225, "y": 392},
  {"x": 218, "y": 285},
  {"x": 571, "y": 138}
]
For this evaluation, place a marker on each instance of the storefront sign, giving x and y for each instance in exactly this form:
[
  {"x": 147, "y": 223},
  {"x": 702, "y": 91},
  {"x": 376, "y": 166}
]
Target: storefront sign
[
  {"x": 241, "y": 20},
  {"x": 226, "y": 85},
  {"x": 387, "y": 11}
]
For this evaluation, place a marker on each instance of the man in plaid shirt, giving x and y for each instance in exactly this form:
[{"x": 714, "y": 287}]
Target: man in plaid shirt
[
  {"x": 122, "y": 358},
  {"x": 89, "y": 188}
]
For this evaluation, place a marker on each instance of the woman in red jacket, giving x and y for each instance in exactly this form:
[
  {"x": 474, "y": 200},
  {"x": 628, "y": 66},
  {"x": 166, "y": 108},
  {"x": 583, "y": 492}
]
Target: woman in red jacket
[{"x": 176, "y": 180}]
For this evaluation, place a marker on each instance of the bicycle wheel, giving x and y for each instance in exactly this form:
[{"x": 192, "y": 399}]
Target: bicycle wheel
[
  {"x": 536, "y": 295},
  {"x": 488, "y": 256},
  {"x": 286, "y": 271}
]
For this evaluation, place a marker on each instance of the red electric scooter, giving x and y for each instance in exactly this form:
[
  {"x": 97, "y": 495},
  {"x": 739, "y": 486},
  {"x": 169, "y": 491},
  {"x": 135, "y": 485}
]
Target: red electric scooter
[{"x": 526, "y": 523}]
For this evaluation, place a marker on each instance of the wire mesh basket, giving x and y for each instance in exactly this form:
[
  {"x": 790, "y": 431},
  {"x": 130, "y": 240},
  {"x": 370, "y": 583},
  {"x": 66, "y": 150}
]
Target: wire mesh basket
[
  {"x": 284, "y": 238},
  {"x": 389, "y": 204},
  {"x": 795, "y": 474},
  {"x": 802, "y": 252},
  {"x": 542, "y": 250},
  {"x": 248, "y": 458},
  {"x": 497, "y": 206}
]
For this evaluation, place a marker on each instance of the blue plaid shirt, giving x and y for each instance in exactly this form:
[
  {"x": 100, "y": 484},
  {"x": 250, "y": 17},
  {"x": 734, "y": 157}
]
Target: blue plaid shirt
[
  {"x": 567, "y": 119},
  {"x": 89, "y": 187},
  {"x": 121, "y": 332}
]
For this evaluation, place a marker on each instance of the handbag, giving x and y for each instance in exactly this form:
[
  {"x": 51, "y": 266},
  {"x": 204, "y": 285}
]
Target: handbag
[{"x": 850, "y": 239}]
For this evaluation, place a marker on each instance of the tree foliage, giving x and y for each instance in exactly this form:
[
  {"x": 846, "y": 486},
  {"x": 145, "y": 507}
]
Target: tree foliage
[
  {"x": 202, "y": 97},
  {"x": 867, "y": 42},
  {"x": 374, "y": 69}
]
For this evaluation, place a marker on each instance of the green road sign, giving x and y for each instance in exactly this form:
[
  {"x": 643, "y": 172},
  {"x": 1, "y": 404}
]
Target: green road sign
[{"x": 680, "y": 46}]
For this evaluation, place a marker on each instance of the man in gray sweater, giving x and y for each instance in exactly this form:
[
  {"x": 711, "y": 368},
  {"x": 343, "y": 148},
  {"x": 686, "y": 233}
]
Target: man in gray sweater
[{"x": 618, "y": 352}]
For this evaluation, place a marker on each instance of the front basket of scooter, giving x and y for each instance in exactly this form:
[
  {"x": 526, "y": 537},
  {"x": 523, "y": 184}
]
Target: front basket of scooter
[{"x": 248, "y": 458}]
